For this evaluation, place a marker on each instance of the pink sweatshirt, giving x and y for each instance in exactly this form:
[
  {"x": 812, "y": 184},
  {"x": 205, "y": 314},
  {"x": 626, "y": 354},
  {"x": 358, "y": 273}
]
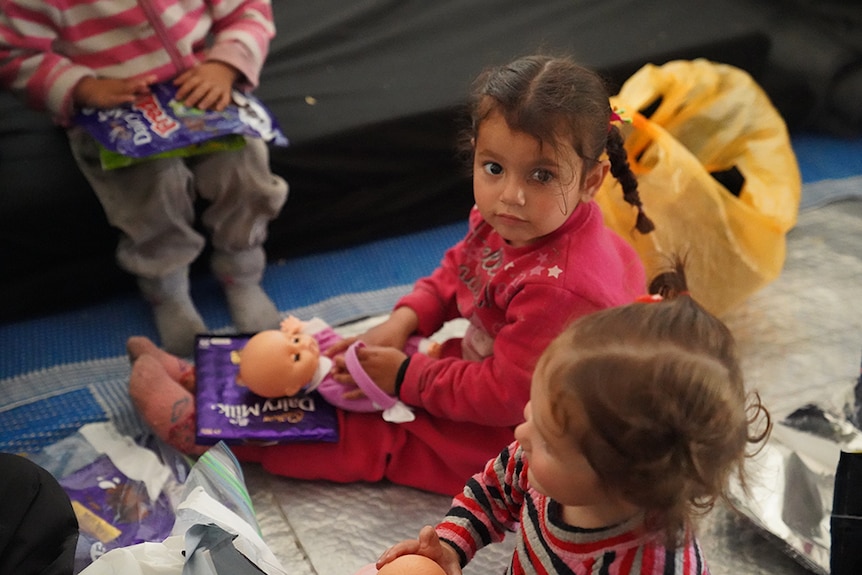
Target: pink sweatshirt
[
  {"x": 470, "y": 400},
  {"x": 516, "y": 300},
  {"x": 48, "y": 46}
]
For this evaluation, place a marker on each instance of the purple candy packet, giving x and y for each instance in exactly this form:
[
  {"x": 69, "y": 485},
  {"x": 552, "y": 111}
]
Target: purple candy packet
[
  {"x": 230, "y": 412},
  {"x": 158, "y": 123},
  {"x": 114, "y": 511}
]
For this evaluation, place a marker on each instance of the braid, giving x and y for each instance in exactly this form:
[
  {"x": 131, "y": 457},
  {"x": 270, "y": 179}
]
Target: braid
[{"x": 621, "y": 170}]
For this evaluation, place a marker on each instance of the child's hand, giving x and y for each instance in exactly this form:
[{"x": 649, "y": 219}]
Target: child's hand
[
  {"x": 393, "y": 332},
  {"x": 339, "y": 367},
  {"x": 93, "y": 92},
  {"x": 339, "y": 347},
  {"x": 380, "y": 363},
  {"x": 207, "y": 85},
  {"x": 430, "y": 546}
]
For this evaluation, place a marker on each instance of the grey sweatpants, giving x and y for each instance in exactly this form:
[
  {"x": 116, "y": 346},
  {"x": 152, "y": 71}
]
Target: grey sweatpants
[{"x": 152, "y": 203}]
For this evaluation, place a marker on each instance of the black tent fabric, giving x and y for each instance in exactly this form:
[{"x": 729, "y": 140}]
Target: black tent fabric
[{"x": 370, "y": 94}]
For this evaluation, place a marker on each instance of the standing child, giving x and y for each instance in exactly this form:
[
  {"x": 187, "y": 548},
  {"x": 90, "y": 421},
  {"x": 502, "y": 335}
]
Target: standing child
[
  {"x": 637, "y": 418},
  {"x": 537, "y": 255},
  {"x": 63, "y": 56}
]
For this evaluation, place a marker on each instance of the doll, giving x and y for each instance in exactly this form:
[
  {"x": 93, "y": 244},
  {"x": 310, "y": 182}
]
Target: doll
[
  {"x": 410, "y": 564},
  {"x": 272, "y": 364},
  {"x": 287, "y": 361}
]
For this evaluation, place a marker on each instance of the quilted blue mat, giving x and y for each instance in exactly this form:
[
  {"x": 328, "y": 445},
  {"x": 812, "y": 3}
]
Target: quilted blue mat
[
  {"x": 33, "y": 426},
  {"x": 338, "y": 286}
]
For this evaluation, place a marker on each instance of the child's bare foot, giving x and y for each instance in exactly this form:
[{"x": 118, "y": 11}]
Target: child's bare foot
[
  {"x": 177, "y": 368},
  {"x": 164, "y": 405}
]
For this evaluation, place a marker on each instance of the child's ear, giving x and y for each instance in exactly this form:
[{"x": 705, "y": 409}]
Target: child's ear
[{"x": 593, "y": 180}]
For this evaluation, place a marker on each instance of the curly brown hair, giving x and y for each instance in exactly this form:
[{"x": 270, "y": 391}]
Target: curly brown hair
[{"x": 669, "y": 419}]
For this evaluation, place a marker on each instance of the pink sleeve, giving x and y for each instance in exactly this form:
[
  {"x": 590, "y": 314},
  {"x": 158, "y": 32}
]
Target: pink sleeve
[
  {"x": 29, "y": 66},
  {"x": 495, "y": 390},
  {"x": 434, "y": 297},
  {"x": 242, "y": 31}
]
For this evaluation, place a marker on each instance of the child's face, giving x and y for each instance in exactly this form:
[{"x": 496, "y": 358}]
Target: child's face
[
  {"x": 557, "y": 468},
  {"x": 523, "y": 189}
]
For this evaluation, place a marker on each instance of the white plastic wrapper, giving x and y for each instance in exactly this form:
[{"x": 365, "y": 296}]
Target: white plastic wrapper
[{"x": 209, "y": 537}]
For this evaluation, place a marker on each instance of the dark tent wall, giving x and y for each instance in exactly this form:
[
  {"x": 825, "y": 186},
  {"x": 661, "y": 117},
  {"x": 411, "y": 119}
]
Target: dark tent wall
[{"x": 369, "y": 93}]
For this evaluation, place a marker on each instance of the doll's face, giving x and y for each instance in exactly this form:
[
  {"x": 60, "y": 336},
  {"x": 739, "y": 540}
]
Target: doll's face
[{"x": 274, "y": 363}]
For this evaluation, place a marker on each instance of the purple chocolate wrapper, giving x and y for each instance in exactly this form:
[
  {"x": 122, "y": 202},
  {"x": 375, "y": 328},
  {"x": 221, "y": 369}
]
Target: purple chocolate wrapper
[
  {"x": 114, "y": 511},
  {"x": 158, "y": 123},
  {"x": 229, "y": 412}
]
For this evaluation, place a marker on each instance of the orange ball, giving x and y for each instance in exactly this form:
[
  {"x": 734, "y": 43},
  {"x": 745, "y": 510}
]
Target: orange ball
[{"x": 411, "y": 565}]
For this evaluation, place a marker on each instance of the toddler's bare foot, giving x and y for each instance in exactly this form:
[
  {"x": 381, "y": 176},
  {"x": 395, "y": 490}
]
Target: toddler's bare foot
[
  {"x": 164, "y": 405},
  {"x": 176, "y": 367}
]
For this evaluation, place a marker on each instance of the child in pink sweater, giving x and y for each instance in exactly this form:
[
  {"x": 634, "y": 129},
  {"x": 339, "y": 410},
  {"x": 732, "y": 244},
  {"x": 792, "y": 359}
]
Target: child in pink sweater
[{"x": 536, "y": 256}]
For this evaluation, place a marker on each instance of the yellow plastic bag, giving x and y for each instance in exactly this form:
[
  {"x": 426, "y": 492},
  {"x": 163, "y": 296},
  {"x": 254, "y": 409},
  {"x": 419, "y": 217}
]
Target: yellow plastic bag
[{"x": 705, "y": 119}]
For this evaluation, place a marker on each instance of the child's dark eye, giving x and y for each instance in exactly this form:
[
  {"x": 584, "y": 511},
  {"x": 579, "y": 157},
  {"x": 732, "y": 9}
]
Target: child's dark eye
[
  {"x": 493, "y": 168},
  {"x": 296, "y": 339},
  {"x": 296, "y": 357},
  {"x": 542, "y": 176}
]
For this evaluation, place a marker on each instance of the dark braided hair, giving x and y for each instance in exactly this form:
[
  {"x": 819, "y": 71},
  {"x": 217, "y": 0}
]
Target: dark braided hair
[
  {"x": 540, "y": 94},
  {"x": 621, "y": 170}
]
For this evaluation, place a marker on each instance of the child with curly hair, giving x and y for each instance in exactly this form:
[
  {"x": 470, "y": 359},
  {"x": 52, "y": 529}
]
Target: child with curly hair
[{"x": 637, "y": 419}]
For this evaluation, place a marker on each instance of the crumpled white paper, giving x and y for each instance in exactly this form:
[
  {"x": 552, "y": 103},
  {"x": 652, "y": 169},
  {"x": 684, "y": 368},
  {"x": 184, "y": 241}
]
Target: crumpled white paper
[{"x": 135, "y": 461}]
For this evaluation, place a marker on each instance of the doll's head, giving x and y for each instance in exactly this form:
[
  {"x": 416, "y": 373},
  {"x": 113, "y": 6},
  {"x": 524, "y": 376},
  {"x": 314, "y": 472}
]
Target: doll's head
[
  {"x": 274, "y": 363},
  {"x": 411, "y": 565}
]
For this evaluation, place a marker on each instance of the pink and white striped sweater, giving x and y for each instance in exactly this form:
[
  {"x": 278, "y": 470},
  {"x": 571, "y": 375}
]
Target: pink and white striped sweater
[
  {"x": 497, "y": 500},
  {"x": 48, "y": 46}
]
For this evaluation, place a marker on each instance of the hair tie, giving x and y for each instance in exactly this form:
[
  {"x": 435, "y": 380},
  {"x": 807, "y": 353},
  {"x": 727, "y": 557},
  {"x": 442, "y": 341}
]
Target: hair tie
[
  {"x": 649, "y": 298},
  {"x": 657, "y": 297},
  {"x": 615, "y": 117}
]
